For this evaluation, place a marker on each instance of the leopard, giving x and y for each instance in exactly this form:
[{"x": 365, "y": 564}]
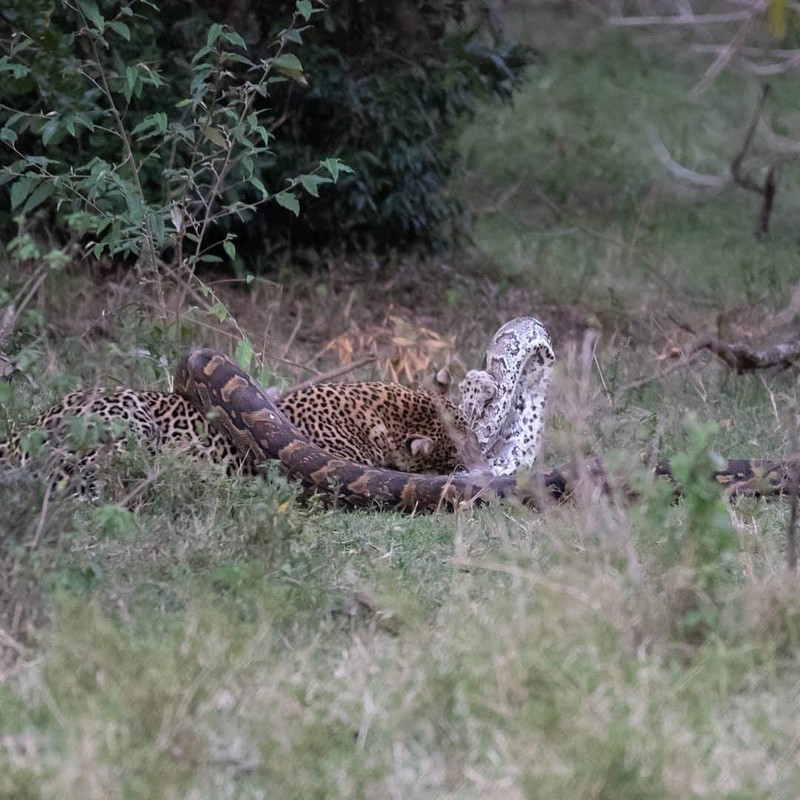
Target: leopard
[
  {"x": 385, "y": 425},
  {"x": 374, "y": 423},
  {"x": 73, "y": 442}
]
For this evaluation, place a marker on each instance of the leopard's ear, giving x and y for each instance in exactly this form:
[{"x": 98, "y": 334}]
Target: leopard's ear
[
  {"x": 442, "y": 381},
  {"x": 419, "y": 445}
]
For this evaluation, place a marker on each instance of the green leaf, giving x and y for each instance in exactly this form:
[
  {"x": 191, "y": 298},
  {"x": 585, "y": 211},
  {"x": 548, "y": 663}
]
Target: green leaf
[
  {"x": 244, "y": 353},
  {"x": 20, "y": 190},
  {"x": 20, "y": 42},
  {"x": 254, "y": 181},
  {"x": 230, "y": 248},
  {"x": 334, "y": 167},
  {"x": 214, "y": 32},
  {"x": 92, "y": 13},
  {"x": 289, "y": 65},
  {"x": 305, "y": 8},
  {"x": 231, "y": 37},
  {"x": 288, "y": 201},
  {"x": 131, "y": 76},
  {"x": 216, "y": 137},
  {"x": 311, "y": 183},
  {"x": 219, "y": 311},
  {"x": 121, "y": 29},
  {"x": 155, "y": 123},
  {"x": 7, "y": 135},
  {"x": 292, "y": 35},
  {"x": 15, "y": 68},
  {"x": 49, "y": 130},
  {"x": 288, "y": 62},
  {"x": 39, "y": 161},
  {"x": 238, "y": 58},
  {"x": 41, "y": 193},
  {"x": 85, "y": 120}
]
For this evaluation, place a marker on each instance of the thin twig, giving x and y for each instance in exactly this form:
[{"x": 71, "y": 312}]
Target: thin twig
[
  {"x": 295, "y": 331},
  {"x": 736, "y": 165},
  {"x": 679, "y": 171},
  {"x": 152, "y": 475},
  {"x": 42, "y": 517},
  {"x": 327, "y": 376},
  {"x": 637, "y": 384},
  {"x": 791, "y": 533},
  {"x": 730, "y": 50},
  {"x": 681, "y": 20},
  {"x": 534, "y": 577}
]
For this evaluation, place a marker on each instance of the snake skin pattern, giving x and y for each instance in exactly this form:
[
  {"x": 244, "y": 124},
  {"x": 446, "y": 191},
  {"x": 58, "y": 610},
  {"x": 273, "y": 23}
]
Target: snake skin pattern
[{"x": 504, "y": 403}]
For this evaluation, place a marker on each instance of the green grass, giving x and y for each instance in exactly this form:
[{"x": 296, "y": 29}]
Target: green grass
[
  {"x": 253, "y": 648},
  {"x": 571, "y": 200},
  {"x": 221, "y": 639}
]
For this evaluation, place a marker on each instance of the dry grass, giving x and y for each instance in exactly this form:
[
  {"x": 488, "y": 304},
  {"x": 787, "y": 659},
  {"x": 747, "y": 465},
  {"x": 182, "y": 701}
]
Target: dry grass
[{"x": 221, "y": 640}]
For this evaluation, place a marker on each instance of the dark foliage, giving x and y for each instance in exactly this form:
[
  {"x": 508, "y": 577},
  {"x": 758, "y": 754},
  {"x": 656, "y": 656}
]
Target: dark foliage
[{"x": 389, "y": 84}]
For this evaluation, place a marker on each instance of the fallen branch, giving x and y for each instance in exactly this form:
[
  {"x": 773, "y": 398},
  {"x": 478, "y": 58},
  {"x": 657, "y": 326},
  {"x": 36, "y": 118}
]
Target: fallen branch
[
  {"x": 755, "y": 477},
  {"x": 679, "y": 171},
  {"x": 725, "y": 56},
  {"x": 680, "y": 20},
  {"x": 324, "y": 377},
  {"x": 794, "y": 479},
  {"x": 743, "y": 358},
  {"x": 767, "y": 191},
  {"x": 760, "y": 477},
  {"x": 655, "y": 376},
  {"x": 736, "y": 174}
]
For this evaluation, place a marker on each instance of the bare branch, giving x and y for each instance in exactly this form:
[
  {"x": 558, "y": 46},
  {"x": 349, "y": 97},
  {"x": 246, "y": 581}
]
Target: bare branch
[
  {"x": 744, "y": 358},
  {"x": 337, "y": 372},
  {"x": 731, "y": 48},
  {"x": 736, "y": 174},
  {"x": 715, "y": 182},
  {"x": 680, "y": 20},
  {"x": 791, "y": 533},
  {"x": 754, "y": 52},
  {"x": 736, "y": 165},
  {"x": 781, "y": 144}
]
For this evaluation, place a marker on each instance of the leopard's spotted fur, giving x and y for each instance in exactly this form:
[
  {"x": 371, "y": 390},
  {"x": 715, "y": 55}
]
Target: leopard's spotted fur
[
  {"x": 77, "y": 435},
  {"x": 385, "y": 425},
  {"x": 377, "y": 424}
]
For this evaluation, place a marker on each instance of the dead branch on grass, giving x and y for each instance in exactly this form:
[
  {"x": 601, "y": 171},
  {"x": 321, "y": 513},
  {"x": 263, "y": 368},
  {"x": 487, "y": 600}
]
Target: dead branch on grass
[
  {"x": 679, "y": 171},
  {"x": 337, "y": 372},
  {"x": 794, "y": 479},
  {"x": 767, "y": 190},
  {"x": 791, "y": 533},
  {"x": 736, "y": 173},
  {"x": 744, "y": 358},
  {"x": 640, "y": 382},
  {"x": 685, "y": 19},
  {"x": 726, "y": 55}
]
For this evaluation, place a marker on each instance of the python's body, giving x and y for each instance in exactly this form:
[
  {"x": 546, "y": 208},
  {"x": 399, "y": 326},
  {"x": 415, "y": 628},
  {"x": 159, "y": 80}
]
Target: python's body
[
  {"x": 505, "y": 401},
  {"x": 372, "y": 423},
  {"x": 221, "y": 413}
]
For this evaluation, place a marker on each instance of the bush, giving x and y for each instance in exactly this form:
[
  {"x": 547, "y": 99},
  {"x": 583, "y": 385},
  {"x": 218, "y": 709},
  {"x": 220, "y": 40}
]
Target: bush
[
  {"x": 128, "y": 119},
  {"x": 391, "y": 85}
]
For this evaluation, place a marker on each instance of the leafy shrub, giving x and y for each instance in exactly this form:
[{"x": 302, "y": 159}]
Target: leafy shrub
[
  {"x": 134, "y": 118},
  {"x": 391, "y": 85}
]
